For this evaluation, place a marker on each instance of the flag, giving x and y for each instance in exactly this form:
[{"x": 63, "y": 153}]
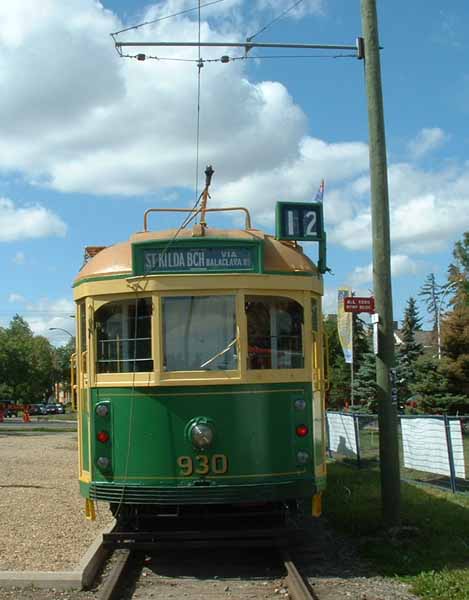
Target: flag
[
  {"x": 320, "y": 193},
  {"x": 344, "y": 325}
]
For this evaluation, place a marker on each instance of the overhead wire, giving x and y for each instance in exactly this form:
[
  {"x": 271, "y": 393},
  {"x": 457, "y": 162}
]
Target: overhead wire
[
  {"x": 199, "y": 68},
  {"x": 182, "y": 12},
  {"x": 227, "y": 59},
  {"x": 280, "y": 16}
]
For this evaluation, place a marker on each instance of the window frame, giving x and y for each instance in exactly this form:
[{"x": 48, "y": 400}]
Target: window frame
[{"x": 241, "y": 374}]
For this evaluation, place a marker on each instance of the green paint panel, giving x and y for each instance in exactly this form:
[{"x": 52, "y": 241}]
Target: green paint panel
[{"x": 254, "y": 429}]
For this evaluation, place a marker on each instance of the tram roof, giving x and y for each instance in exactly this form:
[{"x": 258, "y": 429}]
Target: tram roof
[{"x": 279, "y": 256}]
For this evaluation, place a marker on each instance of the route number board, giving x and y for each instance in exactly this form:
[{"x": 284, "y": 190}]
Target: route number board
[{"x": 299, "y": 221}]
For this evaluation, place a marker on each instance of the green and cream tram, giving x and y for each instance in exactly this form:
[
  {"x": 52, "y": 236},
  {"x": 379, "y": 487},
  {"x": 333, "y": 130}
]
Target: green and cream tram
[{"x": 199, "y": 372}]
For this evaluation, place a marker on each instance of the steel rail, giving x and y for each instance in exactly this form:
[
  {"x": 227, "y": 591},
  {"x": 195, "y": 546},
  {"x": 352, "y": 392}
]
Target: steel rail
[
  {"x": 113, "y": 580},
  {"x": 297, "y": 587}
]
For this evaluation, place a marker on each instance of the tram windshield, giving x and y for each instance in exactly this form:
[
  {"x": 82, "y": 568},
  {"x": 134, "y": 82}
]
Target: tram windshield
[
  {"x": 199, "y": 333},
  {"x": 275, "y": 333},
  {"x": 124, "y": 337}
]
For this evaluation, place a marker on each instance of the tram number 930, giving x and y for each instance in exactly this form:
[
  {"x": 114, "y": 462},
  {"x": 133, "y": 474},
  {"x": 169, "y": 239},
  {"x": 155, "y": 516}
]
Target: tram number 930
[{"x": 203, "y": 465}]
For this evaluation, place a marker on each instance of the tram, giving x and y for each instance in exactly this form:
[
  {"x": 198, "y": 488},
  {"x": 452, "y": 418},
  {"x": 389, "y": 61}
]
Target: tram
[{"x": 199, "y": 372}]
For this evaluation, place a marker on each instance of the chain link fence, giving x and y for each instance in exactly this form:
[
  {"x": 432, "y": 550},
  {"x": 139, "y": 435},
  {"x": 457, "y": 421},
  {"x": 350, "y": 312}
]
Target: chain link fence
[{"x": 433, "y": 450}]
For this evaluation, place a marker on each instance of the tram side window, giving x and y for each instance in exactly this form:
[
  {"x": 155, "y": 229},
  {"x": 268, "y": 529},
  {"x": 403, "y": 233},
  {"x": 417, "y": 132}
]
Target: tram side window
[
  {"x": 275, "y": 333},
  {"x": 199, "y": 333},
  {"x": 123, "y": 337}
]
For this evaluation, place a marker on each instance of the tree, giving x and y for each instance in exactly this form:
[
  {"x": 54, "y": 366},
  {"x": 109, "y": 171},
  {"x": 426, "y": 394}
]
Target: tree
[
  {"x": 455, "y": 325},
  {"x": 410, "y": 350},
  {"x": 431, "y": 389},
  {"x": 364, "y": 385},
  {"x": 431, "y": 292},
  {"x": 339, "y": 370},
  {"x": 27, "y": 363}
]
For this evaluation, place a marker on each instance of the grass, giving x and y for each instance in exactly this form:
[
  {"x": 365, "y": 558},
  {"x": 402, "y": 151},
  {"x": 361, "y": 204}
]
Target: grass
[{"x": 430, "y": 551}]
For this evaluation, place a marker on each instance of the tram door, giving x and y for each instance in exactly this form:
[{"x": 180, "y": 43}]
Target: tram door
[{"x": 82, "y": 393}]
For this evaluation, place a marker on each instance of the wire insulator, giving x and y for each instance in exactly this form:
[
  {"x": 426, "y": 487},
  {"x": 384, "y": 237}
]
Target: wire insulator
[
  {"x": 141, "y": 56},
  {"x": 225, "y": 59}
]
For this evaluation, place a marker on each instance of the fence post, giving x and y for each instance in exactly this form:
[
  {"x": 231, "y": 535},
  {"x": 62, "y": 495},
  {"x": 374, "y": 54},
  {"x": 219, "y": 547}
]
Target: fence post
[
  {"x": 357, "y": 438},
  {"x": 449, "y": 444},
  {"x": 328, "y": 433}
]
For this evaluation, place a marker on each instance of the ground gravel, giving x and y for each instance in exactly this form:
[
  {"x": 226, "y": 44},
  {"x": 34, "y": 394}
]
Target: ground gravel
[{"x": 42, "y": 523}]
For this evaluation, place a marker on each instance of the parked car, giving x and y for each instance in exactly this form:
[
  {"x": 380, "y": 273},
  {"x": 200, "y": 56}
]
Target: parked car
[
  {"x": 60, "y": 408},
  {"x": 11, "y": 412},
  {"x": 37, "y": 409},
  {"x": 51, "y": 409}
]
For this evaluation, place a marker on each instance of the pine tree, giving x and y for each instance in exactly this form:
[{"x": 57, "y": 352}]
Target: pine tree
[
  {"x": 431, "y": 292},
  {"x": 431, "y": 389},
  {"x": 364, "y": 385},
  {"x": 409, "y": 351}
]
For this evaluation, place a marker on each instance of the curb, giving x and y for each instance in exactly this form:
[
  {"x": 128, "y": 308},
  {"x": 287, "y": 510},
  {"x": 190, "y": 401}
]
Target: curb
[{"x": 81, "y": 578}]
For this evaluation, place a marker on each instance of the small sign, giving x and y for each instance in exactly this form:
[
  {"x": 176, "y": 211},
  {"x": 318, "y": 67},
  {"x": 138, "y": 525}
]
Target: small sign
[
  {"x": 198, "y": 260},
  {"x": 355, "y": 304},
  {"x": 299, "y": 221}
]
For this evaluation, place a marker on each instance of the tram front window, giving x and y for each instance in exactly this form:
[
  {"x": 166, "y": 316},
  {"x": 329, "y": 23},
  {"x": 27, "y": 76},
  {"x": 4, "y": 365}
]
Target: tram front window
[
  {"x": 199, "y": 333},
  {"x": 123, "y": 332},
  {"x": 275, "y": 339}
]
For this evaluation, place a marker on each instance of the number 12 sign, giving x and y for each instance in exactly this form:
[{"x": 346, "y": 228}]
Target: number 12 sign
[{"x": 299, "y": 221}]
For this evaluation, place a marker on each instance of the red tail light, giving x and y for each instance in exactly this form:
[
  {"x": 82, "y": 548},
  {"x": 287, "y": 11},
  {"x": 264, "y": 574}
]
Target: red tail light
[
  {"x": 103, "y": 437},
  {"x": 302, "y": 430}
]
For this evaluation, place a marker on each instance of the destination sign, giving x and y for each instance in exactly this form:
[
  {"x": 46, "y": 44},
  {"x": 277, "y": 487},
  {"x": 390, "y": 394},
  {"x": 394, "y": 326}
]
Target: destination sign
[
  {"x": 299, "y": 221},
  {"x": 186, "y": 259}
]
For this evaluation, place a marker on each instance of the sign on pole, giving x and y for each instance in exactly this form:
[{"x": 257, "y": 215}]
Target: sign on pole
[{"x": 356, "y": 304}]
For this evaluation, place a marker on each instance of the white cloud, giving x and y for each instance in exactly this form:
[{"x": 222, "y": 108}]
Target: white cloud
[
  {"x": 35, "y": 221},
  {"x": 16, "y": 298},
  {"x": 106, "y": 125},
  {"x": 19, "y": 258},
  {"x": 427, "y": 139},
  {"x": 46, "y": 313},
  {"x": 307, "y": 7},
  {"x": 401, "y": 264},
  {"x": 428, "y": 209}
]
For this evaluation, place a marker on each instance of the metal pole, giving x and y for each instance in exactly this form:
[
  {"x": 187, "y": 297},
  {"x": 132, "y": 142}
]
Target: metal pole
[
  {"x": 352, "y": 397},
  {"x": 387, "y": 412},
  {"x": 449, "y": 444},
  {"x": 246, "y": 45}
]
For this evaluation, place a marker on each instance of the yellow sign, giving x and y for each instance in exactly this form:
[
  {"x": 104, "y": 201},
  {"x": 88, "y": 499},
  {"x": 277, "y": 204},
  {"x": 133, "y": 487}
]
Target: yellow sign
[
  {"x": 344, "y": 325},
  {"x": 203, "y": 465}
]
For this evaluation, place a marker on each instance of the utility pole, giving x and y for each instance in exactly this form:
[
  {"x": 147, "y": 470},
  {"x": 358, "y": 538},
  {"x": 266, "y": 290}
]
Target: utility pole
[{"x": 387, "y": 410}]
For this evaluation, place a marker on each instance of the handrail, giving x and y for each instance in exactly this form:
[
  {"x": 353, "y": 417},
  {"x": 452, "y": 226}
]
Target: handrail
[{"x": 192, "y": 210}]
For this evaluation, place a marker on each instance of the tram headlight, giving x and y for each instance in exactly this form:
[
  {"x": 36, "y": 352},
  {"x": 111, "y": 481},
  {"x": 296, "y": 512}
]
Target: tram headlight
[
  {"x": 302, "y": 457},
  {"x": 300, "y": 404},
  {"x": 201, "y": 435},
  {"x": 102, "y": 410},
  {"x": 103, "y": 462}
]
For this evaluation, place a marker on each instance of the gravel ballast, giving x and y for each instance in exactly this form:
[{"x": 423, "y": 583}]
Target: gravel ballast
[{"x": 42, "y": 522}]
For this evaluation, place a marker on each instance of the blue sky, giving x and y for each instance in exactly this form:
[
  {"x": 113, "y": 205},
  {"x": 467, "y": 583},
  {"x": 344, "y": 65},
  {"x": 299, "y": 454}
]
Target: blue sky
[{"x": 90, "y": 140}]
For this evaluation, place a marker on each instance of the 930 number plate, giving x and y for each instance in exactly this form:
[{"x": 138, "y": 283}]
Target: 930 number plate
[{"x": 217, "y": 464}]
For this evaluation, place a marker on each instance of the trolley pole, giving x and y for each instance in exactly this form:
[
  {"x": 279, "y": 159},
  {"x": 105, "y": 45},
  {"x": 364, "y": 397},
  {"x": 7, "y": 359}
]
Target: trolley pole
[{"x": 387, "y": 411}]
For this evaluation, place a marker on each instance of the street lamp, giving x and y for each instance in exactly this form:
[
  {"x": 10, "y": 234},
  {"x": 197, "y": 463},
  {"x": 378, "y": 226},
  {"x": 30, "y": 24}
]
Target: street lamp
[
  {"x": 64, "y": 330},
  {"x": 438, "y": 312}
]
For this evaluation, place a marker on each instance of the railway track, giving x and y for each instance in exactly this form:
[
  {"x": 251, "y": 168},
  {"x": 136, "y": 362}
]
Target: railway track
[{"x": 129, "y": 578}]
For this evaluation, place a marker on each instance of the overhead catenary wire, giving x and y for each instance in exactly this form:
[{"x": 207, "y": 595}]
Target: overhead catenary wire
[
  {"x": 277, "y": 18},
  {"x": 182, "y": 12},
  {"x": 226, "y": 59},
  {"x": 200, "y": 64}
]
